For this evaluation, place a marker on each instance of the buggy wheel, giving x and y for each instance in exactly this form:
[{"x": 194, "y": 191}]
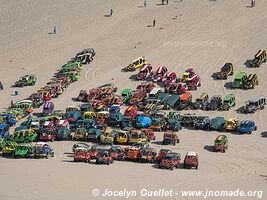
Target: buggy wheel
[
  {"x": 26, "y": 141},
  {"x": 196, "y": 167},
  {"x": 184, "y": 166},
  {"x": 108, "y": 163},
  {"x": 255, "y": 128},
  {"x": 171, "y": 168}
]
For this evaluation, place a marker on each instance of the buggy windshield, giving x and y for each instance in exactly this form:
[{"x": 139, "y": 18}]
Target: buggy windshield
[
  {"x": 251, "y": 103},
  {"x": 163, "y": 151},
  {"x": 244, "y": 125},
  {"x": 169, "y": 157},
  {"x": 147, "y": 153}
]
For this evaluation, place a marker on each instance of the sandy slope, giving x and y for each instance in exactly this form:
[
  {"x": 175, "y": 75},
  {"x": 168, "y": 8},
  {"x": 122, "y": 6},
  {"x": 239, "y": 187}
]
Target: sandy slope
[{"x": 205, "y": 36}]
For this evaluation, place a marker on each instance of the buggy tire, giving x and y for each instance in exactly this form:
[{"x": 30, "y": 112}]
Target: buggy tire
[
  {"x": 196, "y": 168},
  {"x": 255, "y": 129}
]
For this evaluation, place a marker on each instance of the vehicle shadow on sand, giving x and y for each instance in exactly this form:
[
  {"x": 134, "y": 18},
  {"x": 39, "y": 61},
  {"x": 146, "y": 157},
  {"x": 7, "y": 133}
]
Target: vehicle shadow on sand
[
  {"x": 157, "y": 142},
  {"x": 156, "y": 166},
  {"x": 133, "y": 77},
  {"x": 208, "y": 148},
  {"x": 228, "y": 85},
  {"x": 247, "y": 63},
  {"x": 72, "y": 161},
  {"x": 264, "y": 134},
  {"x": 214, "y": 76},
  {"x": 240, "y": 110}
]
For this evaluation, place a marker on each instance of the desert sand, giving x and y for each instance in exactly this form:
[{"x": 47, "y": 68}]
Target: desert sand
[{"x": 201, "y": 34}]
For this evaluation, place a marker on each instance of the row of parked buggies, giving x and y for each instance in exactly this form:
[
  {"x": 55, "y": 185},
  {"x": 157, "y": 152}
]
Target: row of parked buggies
[
  {"x": 23, "y": 150},
  {"x": 190, "y": 81},
  {"x": 67, "y": 74},
  {"x": 17, "y": 144},
  {"x": 142, "y": 152},
  {"x": 165, "y": 158}
]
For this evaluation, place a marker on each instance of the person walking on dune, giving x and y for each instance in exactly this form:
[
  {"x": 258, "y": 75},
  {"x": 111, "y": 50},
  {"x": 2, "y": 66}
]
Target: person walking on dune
[
  {"x": 145, "y": 3},
  {"x": 55, "y": 29},
  {"x": 111, "y": 12},
  {"x": 252, "y": 3},
  {"x": 11, "y": 103},
  {"x": 154, "y": 23}
]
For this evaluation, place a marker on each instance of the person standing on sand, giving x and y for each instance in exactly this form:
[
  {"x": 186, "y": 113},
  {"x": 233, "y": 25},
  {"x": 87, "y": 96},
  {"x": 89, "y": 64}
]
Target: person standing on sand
[
  {"x": 145, "y": 3},
  {"x": 12, "y": 103},
  {"x": 111, "y": 12},
  {"x": 55, "y": 29},
  {"x": 154, "y": 23}
]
